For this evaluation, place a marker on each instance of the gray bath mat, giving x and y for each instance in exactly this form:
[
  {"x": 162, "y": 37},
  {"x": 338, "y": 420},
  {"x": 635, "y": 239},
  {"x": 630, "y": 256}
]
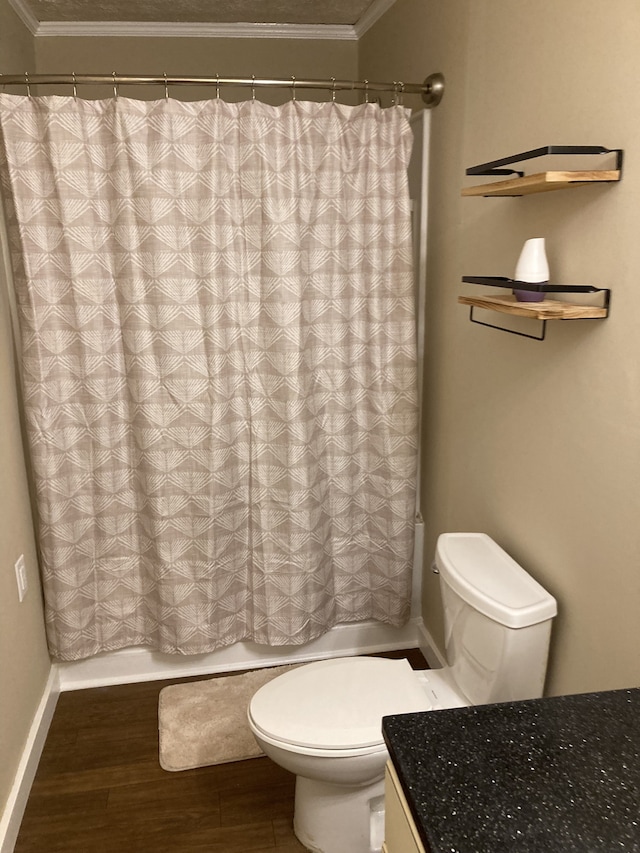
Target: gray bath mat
[{"x": 205, "y": 722}]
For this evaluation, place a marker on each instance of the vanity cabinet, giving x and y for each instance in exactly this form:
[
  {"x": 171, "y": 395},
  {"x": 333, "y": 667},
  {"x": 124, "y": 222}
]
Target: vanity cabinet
[{"x": 400, "y": 833}]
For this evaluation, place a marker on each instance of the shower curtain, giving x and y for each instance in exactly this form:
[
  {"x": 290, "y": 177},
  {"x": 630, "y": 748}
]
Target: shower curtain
[{"x": 217, "y": 327}]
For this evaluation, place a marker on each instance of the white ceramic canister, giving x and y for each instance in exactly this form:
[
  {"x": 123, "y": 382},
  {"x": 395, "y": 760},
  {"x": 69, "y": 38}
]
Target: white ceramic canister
[{"x": 532, "y": 268}]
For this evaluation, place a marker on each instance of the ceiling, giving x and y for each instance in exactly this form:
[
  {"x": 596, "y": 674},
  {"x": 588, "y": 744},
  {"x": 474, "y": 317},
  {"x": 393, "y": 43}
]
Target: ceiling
[{"x": 245, "y": 18}]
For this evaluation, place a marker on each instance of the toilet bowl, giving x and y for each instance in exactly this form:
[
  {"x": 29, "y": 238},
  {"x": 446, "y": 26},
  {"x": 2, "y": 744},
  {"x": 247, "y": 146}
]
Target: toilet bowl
[{"x": 323, "y": 721}]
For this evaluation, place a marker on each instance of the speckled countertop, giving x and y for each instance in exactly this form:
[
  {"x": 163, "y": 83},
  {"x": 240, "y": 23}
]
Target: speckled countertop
[{"x": 543, "y": 776}]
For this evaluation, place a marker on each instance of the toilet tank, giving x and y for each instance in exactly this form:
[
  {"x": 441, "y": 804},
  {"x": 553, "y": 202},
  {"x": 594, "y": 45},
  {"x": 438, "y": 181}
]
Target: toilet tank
[{"x": 497, "y": 620}]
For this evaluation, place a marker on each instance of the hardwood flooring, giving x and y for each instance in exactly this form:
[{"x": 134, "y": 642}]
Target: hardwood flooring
[{"x": 100, "y": 789}]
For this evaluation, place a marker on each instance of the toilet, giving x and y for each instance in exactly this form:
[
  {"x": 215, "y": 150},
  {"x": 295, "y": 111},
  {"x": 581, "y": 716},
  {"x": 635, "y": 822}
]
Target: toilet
[{"x": 322, "y": 721}]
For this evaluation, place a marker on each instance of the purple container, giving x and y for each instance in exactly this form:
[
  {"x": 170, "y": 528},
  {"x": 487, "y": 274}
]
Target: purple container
[{"x": 529, "y": 295}]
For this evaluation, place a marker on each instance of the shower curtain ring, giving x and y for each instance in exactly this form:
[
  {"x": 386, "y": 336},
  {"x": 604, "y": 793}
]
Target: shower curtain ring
[
  {"x": 293, "y": 88},
  {"x": 217, "y": 85},
  {"x": 253, "y": 87},
  {"x": 366, "y": 91},
  {"x": 333, "y": 89},
  {"x": 75, "y": 86},
  {"x": 115, "y": 85},
  {"x": 166, "y": 86},
  {"x": 401, "y": 98},
  {"x": 26, "y": 77}
]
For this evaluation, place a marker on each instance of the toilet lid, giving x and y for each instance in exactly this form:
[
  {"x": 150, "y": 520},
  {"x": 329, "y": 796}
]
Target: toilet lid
[{"x": 336, "y": 704}]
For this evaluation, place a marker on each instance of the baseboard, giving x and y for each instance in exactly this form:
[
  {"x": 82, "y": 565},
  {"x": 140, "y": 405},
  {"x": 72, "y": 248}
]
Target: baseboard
[
  {"x": 19, "y": 794},
  {"x": 429, "y": 648},
  {"x": 132, "y": 665}
]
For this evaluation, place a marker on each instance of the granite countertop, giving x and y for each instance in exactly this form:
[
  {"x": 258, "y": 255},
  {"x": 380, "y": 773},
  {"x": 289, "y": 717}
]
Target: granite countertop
[{"x": 545, "y": 775}]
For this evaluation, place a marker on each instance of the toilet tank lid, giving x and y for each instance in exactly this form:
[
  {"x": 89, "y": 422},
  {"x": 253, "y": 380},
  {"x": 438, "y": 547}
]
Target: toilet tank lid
[{"x": 487, "y": 578}]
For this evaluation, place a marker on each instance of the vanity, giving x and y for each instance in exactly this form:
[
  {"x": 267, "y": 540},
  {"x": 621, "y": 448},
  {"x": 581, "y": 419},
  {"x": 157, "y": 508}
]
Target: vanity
[{"x": 553, "y": 775}]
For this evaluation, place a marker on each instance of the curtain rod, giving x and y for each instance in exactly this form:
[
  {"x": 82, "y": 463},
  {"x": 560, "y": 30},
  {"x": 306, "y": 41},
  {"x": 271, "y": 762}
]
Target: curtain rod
[{"x": 431, "y": 90}]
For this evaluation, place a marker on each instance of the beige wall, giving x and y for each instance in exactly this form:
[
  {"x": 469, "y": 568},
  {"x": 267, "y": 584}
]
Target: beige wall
[
  {"x": 538, "y": 444},
  {"x": 306, "y": 58},
  {"x": 24, "y": 661}
]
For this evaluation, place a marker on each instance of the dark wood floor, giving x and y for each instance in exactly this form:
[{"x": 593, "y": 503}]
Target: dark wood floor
[{"x": 99, "y": 786}]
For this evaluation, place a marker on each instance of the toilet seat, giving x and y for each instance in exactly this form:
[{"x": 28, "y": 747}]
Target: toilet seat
[{"x": 336, "y": 705}]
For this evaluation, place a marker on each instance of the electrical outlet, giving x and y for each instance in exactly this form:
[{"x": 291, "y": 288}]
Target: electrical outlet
[{"x": 21, "y": 577}]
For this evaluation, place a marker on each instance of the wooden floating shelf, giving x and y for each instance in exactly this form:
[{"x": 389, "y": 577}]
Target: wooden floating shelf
[
  {"x": 542, "y": 182},
  {"x": 549, "y": 309},
  {"x": 519, "y": 184}
]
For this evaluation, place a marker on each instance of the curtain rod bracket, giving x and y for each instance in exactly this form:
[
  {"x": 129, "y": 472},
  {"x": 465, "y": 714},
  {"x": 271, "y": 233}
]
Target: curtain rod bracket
[{"x": 434, "y": 89}]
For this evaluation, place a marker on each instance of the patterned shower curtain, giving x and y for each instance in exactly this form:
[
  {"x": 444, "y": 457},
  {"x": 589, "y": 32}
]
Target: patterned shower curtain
[{"x": 218, "y": 363}]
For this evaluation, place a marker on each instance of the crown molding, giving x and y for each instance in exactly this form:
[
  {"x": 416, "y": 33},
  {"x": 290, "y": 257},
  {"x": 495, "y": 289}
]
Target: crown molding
[
  {"x": 375, "y": 11},
  {"x": 26, "y": 16},
  {"x": 154, "y": 29},
  {"x": 157, "y": 29}
]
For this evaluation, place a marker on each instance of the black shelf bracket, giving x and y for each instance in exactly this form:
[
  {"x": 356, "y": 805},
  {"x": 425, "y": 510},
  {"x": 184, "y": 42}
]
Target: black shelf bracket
[
  {"x": 543, "y": 326},
  {"x": 541, "y": 287},
  {"x": 540, "y": 337},
  {"x": 494, "y": 167}
]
